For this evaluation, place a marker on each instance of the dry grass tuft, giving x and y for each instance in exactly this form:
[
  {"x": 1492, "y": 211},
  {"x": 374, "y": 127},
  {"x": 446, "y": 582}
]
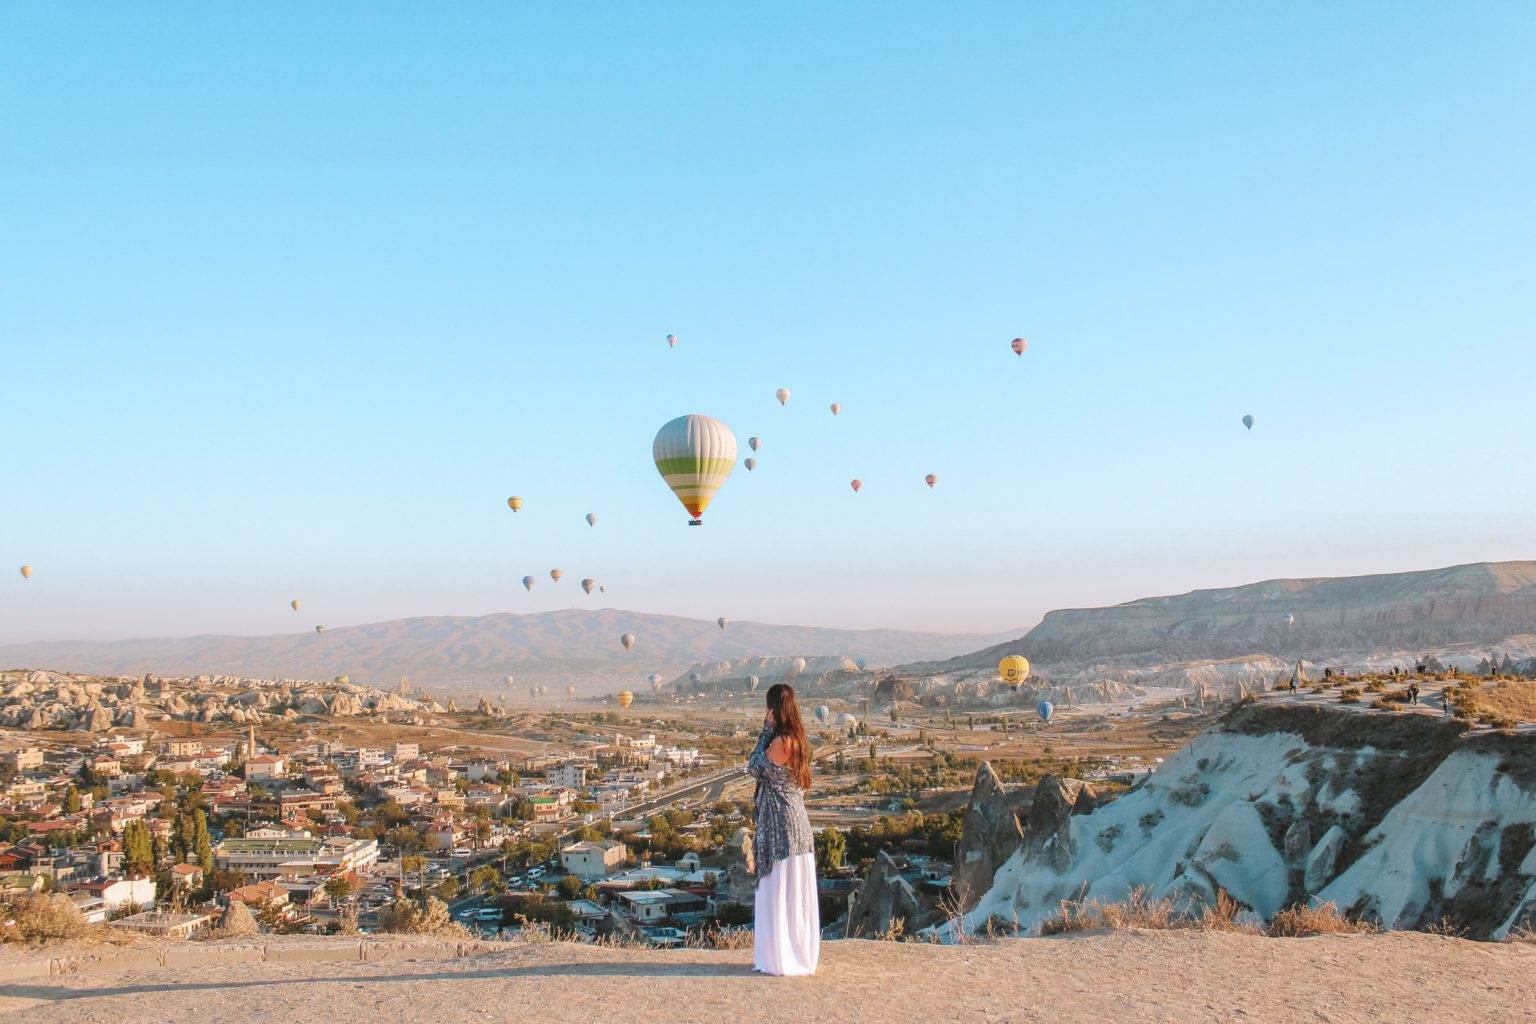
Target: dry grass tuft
[
  {"x": 1224, "y": 916},
  {"x": 720, "y": 938},
  {"x": 1304, "y": 921},
  {"x": 53, "y": 917},
  {"x": 1139, "y": 910}
]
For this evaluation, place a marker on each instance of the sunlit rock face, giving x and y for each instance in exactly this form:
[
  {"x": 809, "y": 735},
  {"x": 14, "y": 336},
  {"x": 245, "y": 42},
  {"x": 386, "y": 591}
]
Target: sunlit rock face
[{"x": 1405, "y": 820}]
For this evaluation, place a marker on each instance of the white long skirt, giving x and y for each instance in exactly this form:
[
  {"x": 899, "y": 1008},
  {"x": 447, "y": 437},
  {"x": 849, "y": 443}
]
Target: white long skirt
[{"x": 787, "y": 929}]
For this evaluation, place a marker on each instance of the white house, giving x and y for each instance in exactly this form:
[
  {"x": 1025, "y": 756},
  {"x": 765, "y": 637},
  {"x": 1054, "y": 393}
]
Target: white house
[{"x": 593, "y": 860}]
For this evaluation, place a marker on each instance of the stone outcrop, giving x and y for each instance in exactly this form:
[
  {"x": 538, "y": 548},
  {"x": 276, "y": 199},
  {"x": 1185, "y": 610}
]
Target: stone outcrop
[
  {"x": 740, "y": 880},
  {"x": 989, "y": 836},
  {"x": 237, "y": 919},
  {"x": 886, "y": 903}
]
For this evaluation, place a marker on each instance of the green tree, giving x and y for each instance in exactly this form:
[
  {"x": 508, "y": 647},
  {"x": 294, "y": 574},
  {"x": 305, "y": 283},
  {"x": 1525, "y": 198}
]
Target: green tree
[
  {"x": 202, "y": 842},
  {"x": 138, "y": 849},
  {"x": 71, "y": 800},
  {"x": 570, "y": 887},
  {"x": 831, "y": 848}
]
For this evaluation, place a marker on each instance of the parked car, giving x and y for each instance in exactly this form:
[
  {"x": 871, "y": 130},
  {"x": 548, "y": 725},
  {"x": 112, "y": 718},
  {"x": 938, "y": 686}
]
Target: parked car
[{"x": 485, "y": 914}]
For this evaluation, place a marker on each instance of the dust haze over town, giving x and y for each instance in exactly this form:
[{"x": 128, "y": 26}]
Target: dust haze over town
[{"x": 431, "y": 434}]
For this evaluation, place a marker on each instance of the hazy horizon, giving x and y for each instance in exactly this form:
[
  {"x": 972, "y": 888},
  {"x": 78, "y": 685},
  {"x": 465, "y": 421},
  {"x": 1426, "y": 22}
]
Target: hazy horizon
[{"x": 298, "y": 298}]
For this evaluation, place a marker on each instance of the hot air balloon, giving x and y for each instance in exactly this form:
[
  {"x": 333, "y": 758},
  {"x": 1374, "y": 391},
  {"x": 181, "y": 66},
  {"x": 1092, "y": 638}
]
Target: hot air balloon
[
  {"x": 797, "y": 666},
  {"x": 754, "y": 443},
  {"x": 514, "y": 503},
  {"x": 782, "y": 395},
  {"x": 753, "y": 683},
  {"x": 751, "y": 464},
  {"x": 836, "y": 408},
  {"x": 671, "y": 341},
  {"x": 527, "y": 582},
  {"x": 627, "y": 641},
  {"x": 602, "y": 588},
  {"x": 570, "y": 690},
  {"x": 591, "y": 518},
  {"x": 555, "y": 574},
  {"x": 1014, "y": 669},
  {"x": 822, "y": 712},
  {"x": 846, "y": 721},
  {"x": 856, "y": 484},
  {"x": 694, "y": 455},
  {"x": 319, "y": 629},
  {"x": 294, "y": 605},
  {"x": 1248, "y": 422},
  {"x": 626, "y": 698},
  {"x": 930, "y": 479},
  {"x": 26, "y": 572},
  {"x": 1045, "y": 709},
  {"x": 510, "y": 682},
  {"x": 722, "y": 622},
  {"x": 861, "y": 663},
  {"x": 1019, "y": 345},
  {"x": 1290, "y": 620},
  {"x": 588, "y": 584}
]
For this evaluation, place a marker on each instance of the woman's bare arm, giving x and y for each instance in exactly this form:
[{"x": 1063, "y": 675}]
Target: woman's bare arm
[{"x": 778, "y": 750}]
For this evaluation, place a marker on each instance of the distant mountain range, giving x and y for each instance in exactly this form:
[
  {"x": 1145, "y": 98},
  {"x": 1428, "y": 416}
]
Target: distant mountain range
[
  {"x": 1331, "y": 618},
  {"x": 470, "y": 653}
]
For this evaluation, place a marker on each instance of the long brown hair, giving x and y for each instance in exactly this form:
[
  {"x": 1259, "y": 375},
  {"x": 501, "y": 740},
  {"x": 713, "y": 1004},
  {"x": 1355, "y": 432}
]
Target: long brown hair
[{"x": 786, "y": 723}]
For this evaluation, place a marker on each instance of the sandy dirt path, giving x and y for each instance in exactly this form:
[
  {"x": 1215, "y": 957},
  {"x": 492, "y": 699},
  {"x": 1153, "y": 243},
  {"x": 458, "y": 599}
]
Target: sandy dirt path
[{"x": 1137, "y": 977}]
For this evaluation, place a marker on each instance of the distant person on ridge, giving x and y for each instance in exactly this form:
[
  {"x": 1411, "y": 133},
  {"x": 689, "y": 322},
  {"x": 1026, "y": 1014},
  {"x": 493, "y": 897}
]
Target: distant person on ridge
[{"x": 786, "y": 938}]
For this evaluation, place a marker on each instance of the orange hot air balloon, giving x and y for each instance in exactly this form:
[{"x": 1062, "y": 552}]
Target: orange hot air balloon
[
  {"x": 856, "y": 484},
  {"x": 514, "y": 503},
  {"x": 26, "y": 572},
  {"x": 1019, "y": 345},
  {"x": 555, "y": 574},
  {"x": 930, "y": 479},
  {"x": 626, "y": 698}
]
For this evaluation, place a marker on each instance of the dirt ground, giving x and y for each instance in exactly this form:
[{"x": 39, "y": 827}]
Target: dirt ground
[{"x": 1152, "y": 977}]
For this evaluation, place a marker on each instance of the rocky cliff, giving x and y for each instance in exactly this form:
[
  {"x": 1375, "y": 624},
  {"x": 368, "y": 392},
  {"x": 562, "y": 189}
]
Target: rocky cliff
[
  {"x": 1242, "y": 637},
  {"x": 1405, "y": 820}
]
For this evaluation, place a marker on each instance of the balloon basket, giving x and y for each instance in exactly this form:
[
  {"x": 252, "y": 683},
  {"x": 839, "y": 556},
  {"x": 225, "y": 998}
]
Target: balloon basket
[{"x": 695, "y": 522}]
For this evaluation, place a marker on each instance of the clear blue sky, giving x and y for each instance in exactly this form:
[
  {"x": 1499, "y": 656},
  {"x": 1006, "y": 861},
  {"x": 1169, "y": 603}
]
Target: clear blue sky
[{"x": 293, "y": 296}]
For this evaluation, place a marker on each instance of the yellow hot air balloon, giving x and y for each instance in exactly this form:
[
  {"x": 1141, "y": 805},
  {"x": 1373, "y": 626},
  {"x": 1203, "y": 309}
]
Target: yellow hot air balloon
[
  {"x": 626, "y": 698},
  {"x": 294, "y": 605},
  {"x": 514, "y": 503},
  {"x": 26, "y": 572},
  {"x": 694, "y": 455},
  {"x": 1014, "y": 669}
]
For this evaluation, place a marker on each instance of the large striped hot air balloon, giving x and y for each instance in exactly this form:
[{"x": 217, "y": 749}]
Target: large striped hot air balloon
[{"x": 694, "y": 455}]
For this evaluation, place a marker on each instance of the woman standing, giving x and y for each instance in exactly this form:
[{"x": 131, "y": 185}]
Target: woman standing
[{"x": 787, "y": 932}]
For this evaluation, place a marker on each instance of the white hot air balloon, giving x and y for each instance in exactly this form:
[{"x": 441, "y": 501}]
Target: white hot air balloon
[
  {"x": 602, "y": 588},
  {"x": 797, "y": 666},
  {"x": 722, "y": 622},
  {"x": 694, "y": 455},
  {"x": 294, "y": 605},
  {"x": 754, "y": 443},
  {"x": 671, "y": 341},
  {"x": 822, "y": 711},
  {"x": 655, "y": 680},
  {"x": 627, "y": 641},
  {"x": 846, "y": 721},
  {"x": 319, "y": 629},
  {"x": 528, "y": 582},
  {"x": 782, "y": 395},
  {"x": 1290, "y": 620},
  {"x": 836, "y": 408},
  {"x": 750, "y": 463},
  {"x": 591, "y": 518},
  {"x": 930, "y": 479},
  {"x": 753, "y": 683},
  {"x": 511, "y": 682}
]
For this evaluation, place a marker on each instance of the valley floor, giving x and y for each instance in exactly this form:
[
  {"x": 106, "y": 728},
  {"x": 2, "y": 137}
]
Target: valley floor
[{"x": 1134, "y": 977}]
